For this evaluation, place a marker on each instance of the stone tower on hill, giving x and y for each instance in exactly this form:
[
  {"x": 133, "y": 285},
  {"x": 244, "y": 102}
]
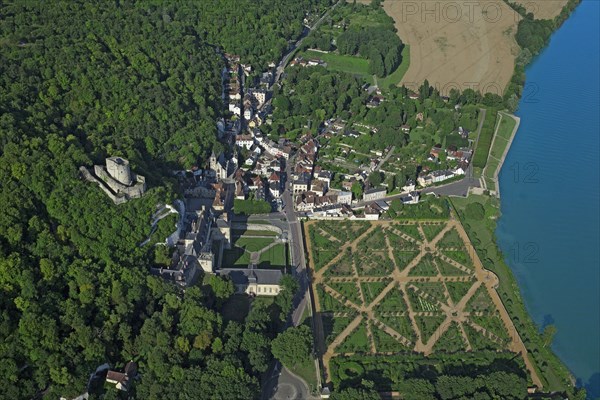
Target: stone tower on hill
[{"x": 116, "y": 180}]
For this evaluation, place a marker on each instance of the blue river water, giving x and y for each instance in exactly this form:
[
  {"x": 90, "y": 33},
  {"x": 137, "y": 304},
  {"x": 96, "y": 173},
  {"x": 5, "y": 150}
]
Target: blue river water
[{"x": 550, "y": 223}]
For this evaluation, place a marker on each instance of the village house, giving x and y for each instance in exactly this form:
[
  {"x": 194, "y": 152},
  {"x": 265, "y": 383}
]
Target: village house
[
  {"x": 301, "y": 184},
  {"x": 412, "y": 198},
  {"x": 435, "y": 177},
  {"x": 324, "y": 176},
  {"x": 240, "y": 190},
  {"x": 461, "y": 154},
  {"x": 122, "y": 380},
  {"x": 342, "y": 197},
  {"x": 374, "y": 194},
  {"x": 219, "y": 201},
  {"x": 275, "y": 190},
  {"x": 318, "y": 187},
  {"x": 372, "y": 212},
  {"x": 246, "y": 141},
  {"x": 347, "y": 185},
  {"x": 409, "y": 186},
  {"x": 248, "y": 113},
  {"x": 259, "y": 96}
]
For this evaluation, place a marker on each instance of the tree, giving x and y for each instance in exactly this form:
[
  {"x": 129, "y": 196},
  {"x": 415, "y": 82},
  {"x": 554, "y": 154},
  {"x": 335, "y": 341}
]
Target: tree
[
  {"x": 417, "y": 389},
  {"x": 293, "y": 346},
  {"x": 356, "y": 394},
  {"x": 285, "y": 297},
  {"x": 357, "y": 190},
  {"x": 221, "y": 288},
  {"x": 375, "y": 178}
]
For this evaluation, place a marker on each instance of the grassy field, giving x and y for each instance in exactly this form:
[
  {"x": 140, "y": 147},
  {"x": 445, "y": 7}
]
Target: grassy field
[
  {"x": 275, "y": 257},
  {"x": 502, "y": 136},
  {"x": 239, "y": 255},
  {"x": 337, "y": 62},
  {"x": 252, "y": 243},
  {"x": 485, "y": 139},
  {"x": 396, "y": 77},
  {"x": 360, "y": 66}
]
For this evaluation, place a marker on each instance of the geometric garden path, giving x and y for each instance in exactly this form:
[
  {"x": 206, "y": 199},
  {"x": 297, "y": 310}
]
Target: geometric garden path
[{"x": 399, "y": 278}]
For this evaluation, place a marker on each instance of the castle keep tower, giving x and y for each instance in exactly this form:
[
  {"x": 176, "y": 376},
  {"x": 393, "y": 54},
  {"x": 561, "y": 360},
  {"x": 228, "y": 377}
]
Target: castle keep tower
[
  {"x": 118, "y": 168},
  {"x": 116, "y": 180}
]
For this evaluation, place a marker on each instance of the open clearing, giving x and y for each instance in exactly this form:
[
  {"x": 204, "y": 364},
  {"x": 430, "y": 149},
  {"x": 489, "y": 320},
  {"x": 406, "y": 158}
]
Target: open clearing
[
  {"x": 457, "y": 45},
  {"x": 543, "y": 9},
  {"x": 337, "y": 62},
  {"x": 395, "y": 287}
]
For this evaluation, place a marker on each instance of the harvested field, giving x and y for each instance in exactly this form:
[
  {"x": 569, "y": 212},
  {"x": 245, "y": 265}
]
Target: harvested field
[
  {"x": 457, "y": 44},
  {"x": 543, "y": 9}
]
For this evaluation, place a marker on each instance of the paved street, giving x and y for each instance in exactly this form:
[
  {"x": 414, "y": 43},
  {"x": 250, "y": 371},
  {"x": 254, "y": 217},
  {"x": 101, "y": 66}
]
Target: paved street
[{"x": 283, "y": 385}]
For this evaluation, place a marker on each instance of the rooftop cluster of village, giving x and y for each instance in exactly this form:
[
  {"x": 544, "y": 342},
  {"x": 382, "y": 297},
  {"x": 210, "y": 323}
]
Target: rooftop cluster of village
[{"x": 329, "y": 176}]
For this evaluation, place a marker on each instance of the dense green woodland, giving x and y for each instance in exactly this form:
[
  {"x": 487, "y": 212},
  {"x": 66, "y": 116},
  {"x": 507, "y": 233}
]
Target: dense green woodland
[
  {"x": 381, "y": 46},
  {"x": 81, "y": 81}
]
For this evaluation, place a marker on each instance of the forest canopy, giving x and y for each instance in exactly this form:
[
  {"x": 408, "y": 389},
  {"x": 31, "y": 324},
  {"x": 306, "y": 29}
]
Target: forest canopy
[{"x": 80, "y": 81}]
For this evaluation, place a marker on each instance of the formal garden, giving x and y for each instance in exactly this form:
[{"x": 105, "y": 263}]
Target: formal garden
[{"x": 388, "y": 288}]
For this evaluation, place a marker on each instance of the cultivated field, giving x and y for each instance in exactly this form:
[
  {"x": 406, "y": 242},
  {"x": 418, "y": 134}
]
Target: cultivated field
[
  {"x": 543, "y": 9},
  {"x": 457, "y": 44},
  {"x": 388, "y": 287}
]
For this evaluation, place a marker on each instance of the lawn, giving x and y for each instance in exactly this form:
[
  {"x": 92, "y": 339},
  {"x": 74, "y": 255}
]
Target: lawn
[
  {"x": 243, "y": 232},
  {"x": 347, "y": 289},
  {"x": 235, "y": 257},
  {"x": 501, "y": 139},
  {"x": 410, "y": 230},
  {"x": 275, "y": 257},
  {"x": 252, "y": 244},
  {"x": 384, "y": 342},
  {"x": 451, "y": 239},
  {"x": 337, "y": 62},
  {"x": 485, "y": 139},
  {"x": 428, "y": 325}
]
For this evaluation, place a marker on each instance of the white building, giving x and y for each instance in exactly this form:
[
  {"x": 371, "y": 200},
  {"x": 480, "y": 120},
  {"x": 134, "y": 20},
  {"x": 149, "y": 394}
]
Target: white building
[
  {"x": 246, "y": 141},
  {"x": 255, "y": 282},
  {"x": 374, "y": 194},
  {"x": 235, "y": 109}
]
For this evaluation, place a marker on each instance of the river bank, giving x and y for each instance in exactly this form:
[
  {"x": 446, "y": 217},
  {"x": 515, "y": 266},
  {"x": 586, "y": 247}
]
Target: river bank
[{"x": 548, "y": 229}]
